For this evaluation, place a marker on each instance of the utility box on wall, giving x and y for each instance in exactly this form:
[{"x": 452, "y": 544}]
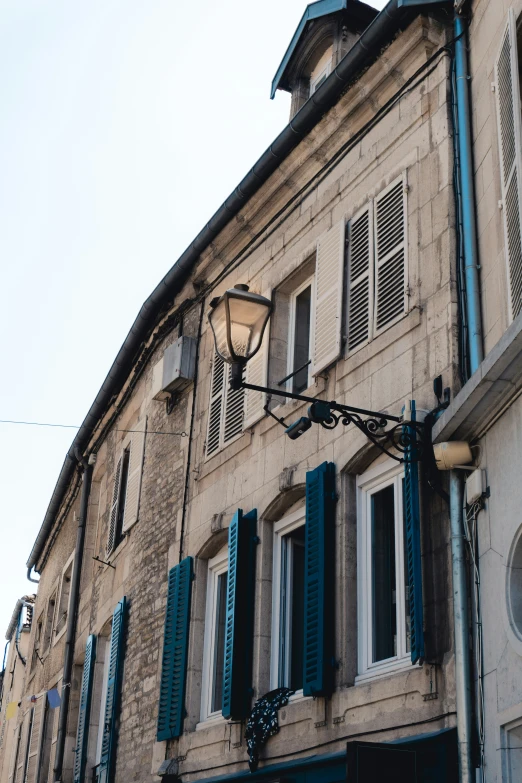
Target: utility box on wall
[{"x": 175, "y": 371}]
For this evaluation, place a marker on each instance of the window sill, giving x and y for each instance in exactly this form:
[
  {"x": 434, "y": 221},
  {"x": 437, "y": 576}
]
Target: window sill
[
  {"x": 213, "y": 720},
  {"x": 210, "y": 464},
  {"x": 115, "y": 552},
  {"x": 386, "y": 669}
]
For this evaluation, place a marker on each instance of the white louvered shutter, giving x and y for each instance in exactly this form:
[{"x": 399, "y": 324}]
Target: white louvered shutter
[
  {"x": 360, "y": 278},
  {"x": 34, "y": 744},
  {"x": 13, "y": 761},
  {"x": 257, "y": 375},
  {"x": 217, "y": 387},
  {"x": 328, "y": 295},
  {"x": 234, "y": 412},
  {"x": 510, "y": 140},
  {"x": 22, "y": 753},
  {"x": 390, "y": 255},
  {"x": 132, "y": 495},
  {"x": 113, "y": 516}
]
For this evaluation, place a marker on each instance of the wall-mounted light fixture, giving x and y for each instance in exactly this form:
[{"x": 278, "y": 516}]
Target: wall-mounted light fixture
[{"x": 238, "y": 320}]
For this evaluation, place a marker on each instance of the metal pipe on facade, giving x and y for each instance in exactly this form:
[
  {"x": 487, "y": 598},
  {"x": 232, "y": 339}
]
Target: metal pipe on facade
[
  {"x": 469, "y": 223},
  {"x": 72, "y": 618},
  {"x": 461, "y": 630}
]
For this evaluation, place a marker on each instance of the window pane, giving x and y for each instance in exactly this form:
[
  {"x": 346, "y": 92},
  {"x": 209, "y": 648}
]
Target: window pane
[
  {"x": 384, "y": 615},
  {"x": 302, "y": 339},
  {"x": 122, "y": 496},
  {"x": 292, "y": 610},
  {"x": 219, "y": 646}
]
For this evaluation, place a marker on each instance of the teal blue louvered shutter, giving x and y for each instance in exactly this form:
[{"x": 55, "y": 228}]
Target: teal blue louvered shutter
[
  {"x": 171, "y": 709},
  {"x": 82, "y": 735},
  {"x": 105, "y": 772},
  {"x": 411, "y": 503},
  {"x": 318, "y": 659},
  {"x": 239, "y": 628}
]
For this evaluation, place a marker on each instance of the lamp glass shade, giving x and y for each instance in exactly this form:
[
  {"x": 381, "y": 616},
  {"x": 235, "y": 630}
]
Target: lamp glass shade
[{"x": 238, "y": 321}]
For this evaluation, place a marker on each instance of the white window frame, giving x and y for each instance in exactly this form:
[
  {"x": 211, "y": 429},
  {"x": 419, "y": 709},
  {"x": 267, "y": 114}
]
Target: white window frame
[
  {"x": 322, "y": 76},
  {"x": 281, "y": 528},
  {"x": 506, "y": 745},
  {"x": 291, "y": 330},
  {"x": 375, "y": 479},
  {"x": 60, "y": 633},
  {"x": 217, "y": 566}
]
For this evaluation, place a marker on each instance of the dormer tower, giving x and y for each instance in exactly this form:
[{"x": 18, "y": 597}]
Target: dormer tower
[{"x": 327, "y": 31}]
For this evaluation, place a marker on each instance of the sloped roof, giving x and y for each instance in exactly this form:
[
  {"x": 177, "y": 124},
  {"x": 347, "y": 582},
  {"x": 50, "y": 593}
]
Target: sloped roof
[{"x": 316, "y": 11}]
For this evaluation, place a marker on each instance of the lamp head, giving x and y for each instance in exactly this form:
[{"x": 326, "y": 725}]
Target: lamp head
[{"x": 238, "y": 320}]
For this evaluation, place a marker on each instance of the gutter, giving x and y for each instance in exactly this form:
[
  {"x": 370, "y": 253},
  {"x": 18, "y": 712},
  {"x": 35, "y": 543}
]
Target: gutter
[{"x": 364, "y": 51}]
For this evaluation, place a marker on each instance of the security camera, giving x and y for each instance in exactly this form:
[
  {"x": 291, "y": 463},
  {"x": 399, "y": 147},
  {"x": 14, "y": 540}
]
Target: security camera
[{"x": 296, "y": 429}]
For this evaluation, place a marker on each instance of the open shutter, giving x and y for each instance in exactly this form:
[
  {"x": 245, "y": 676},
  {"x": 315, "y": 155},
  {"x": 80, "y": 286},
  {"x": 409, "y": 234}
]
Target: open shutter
[
  {"x": 34, "y": 744},
  {"x": 510, "y": 140},
  {"x": 360, "y": 278},
  {"x": 390, "y": 255},
  {"x": 113, "y": 692},
  {"x": 132, "y": 497},
  {"x": 82, "y": 735},
  {"x": 217, "y": 386},
  {"x": 234, "y": 409},
  {"x": 328, "y": 296},
  {"x": 256, "y": 374},
  {"x": 239, "y": 627},
  {"x": 23, "y": 756},
  {"x": 175, "y": 651},
  {"x": 113, "y": 517},
  {"x": 318, "y": 659},
  {"x": 412, "y": 532},
  {"x": 15, "y": 752}
]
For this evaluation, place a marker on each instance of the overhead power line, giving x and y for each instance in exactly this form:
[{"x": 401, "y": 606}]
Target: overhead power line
[{"x": 76, "y": 427}]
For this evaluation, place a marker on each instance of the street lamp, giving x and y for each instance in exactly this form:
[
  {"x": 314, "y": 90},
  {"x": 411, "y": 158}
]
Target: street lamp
[{"x": 238, "y": 320}]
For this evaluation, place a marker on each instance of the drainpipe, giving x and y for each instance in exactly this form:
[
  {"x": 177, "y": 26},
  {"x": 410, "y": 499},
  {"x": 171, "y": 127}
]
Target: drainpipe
[
  {"x": 73, "y": 616},
  {"x": 469, "y": 222},
  {"x": 461, "y": 630}
]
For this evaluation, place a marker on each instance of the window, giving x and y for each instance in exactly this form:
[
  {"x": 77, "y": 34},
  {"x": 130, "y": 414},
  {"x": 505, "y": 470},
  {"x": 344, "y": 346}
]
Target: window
[
  {"x": 377, "y": 266},
  {"x": 511, "y": 742},
  {"x": 46, "y": 742},
  {"x": 321, "y": 71},
  {"x": 126, "y": 487},
  {"x": 37, "y": 641},
  {"x": 226, "y": 410},
  {"x": 384, "y": 611},
  {"x": 214, "y": 647},
  {"x": 299, "y": 339},
  {"x": 288, "y": 601},
  {"x": 63, "y": 602},
  {"x": 49, "y": 618}
]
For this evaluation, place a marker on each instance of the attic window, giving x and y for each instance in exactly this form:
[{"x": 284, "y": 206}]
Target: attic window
[{"x": 321, "y": 71}]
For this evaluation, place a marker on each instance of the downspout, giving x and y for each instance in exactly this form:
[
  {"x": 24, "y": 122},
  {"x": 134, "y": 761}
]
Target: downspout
[
  {"x": 467, "y": 188},
  {"x": 461, "y": 630},
  {"x": 73, "y": 616},
  {"x": 36, "y": 581}
]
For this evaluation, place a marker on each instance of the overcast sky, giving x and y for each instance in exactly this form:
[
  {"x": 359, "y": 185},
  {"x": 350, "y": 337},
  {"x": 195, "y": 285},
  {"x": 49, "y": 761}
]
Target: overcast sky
[{"x": 125, "y": 124}]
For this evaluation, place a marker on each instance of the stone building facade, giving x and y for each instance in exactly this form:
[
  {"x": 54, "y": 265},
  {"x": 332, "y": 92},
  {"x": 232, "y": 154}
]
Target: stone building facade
[{"x": 352, "y": 229}]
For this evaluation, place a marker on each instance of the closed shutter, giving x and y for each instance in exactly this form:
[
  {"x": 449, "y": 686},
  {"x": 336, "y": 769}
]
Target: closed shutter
[
  {"x": 217, "y": 386},
  {"x": 510, "y": 140},
  {"x": 328, "y": 296},
  {"x": 256, "y": 374},
  {"x": 113, "y": 517},
  {"x": 132, "y": 497},
  {"x": 390, "y": 255},
  {"x": 239, "y": 624},
  {"x": 82, "y": 735},
  {"x": 113, "y": 692},
  {"x": 24, "y": 747},
  {"x": 15, "y": 752},
  {"x": 175, "y": 651},
  {"x": 319, "y": 581},
  {"x": 34, "y": 744},
  {"x": 411, "y": 504},
  {"x": 360, "y": 278}
]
